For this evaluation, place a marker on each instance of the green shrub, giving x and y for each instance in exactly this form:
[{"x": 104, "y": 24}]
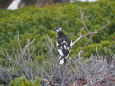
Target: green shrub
[
  {"x": 103, "y": 48},
  {"x": 35, "y": 23},
  {"x": 38, "y": 23},
  {"x": 22, "y": 81}
]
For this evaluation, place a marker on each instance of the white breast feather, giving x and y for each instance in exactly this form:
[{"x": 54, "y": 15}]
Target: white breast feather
[
  {"x": 64, "y": 46},
  {"x": 68, "y": 48},
  {"x": 63, "y": 41},
  {"x": 60, "y": 52}
]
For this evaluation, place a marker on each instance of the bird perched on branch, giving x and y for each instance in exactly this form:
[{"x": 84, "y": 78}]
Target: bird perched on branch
[{"x": 64, "y": 45}]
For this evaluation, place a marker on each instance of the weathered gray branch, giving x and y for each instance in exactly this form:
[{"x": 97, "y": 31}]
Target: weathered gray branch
[{"x": 91, "y": 33}]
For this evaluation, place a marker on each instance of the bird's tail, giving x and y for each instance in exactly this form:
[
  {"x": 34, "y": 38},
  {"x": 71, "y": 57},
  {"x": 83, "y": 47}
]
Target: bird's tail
[{"x": 62, "y": 60}]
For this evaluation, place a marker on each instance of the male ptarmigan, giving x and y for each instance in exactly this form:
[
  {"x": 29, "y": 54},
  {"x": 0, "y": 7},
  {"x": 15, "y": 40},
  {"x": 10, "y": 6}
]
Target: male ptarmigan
[{"x": 64, "y": 45}]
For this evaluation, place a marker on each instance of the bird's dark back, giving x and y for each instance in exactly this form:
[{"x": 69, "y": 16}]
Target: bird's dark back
[{"x": 64, "y": 43}]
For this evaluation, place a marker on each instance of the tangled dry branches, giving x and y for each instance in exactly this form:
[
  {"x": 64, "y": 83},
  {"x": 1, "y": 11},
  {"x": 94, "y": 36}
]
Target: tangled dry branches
[{"x": 94, "y": 70}]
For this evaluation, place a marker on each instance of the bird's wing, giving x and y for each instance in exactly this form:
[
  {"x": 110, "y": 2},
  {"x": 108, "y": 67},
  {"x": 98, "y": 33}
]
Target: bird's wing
[{"x": 64, "y": 46}]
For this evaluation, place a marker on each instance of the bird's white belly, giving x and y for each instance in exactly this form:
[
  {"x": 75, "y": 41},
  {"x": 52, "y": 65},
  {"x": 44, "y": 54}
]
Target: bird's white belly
[
  {"x": 60, "y": 52},
  {"x": 65, "y": 47}
]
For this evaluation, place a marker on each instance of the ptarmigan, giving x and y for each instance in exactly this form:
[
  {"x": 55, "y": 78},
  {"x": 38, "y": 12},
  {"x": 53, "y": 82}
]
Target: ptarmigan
[{"x": 64, "y": 45}]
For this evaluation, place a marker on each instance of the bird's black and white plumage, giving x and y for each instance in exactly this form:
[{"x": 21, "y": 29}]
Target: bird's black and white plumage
[{"x": 64, "y": 45}]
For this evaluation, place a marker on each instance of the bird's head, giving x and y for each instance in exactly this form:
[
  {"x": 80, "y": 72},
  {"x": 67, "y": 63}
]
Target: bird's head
[{"x": 58, "y": 29}]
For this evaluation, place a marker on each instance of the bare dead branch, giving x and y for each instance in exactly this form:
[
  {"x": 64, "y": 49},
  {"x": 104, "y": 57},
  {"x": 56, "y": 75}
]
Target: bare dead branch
[
  {"x": 91, "y": 33},
  {"x": 82, "y": 16},
  {"x": 94, "y": 69}
]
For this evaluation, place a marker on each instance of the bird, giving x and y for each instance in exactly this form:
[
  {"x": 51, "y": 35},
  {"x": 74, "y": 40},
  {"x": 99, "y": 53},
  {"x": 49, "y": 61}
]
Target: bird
[{"x": 64, "y": 45}]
